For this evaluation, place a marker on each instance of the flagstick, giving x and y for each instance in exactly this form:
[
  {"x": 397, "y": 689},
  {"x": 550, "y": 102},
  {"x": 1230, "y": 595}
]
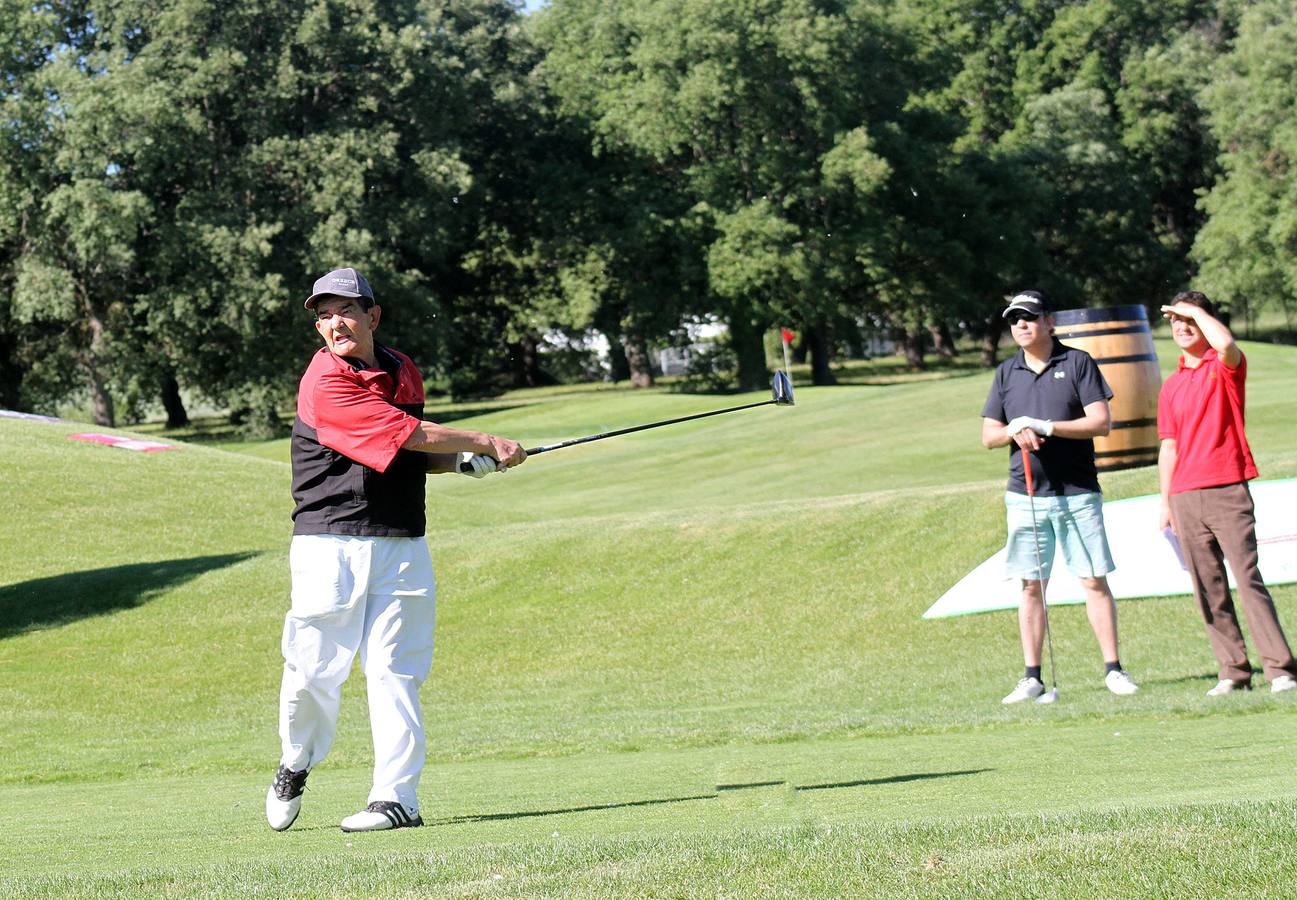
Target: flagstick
[{"x": 785, "y": 343}]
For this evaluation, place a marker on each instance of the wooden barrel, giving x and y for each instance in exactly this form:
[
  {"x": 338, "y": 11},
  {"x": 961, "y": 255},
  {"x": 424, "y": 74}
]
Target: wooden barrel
[{"x": 1119, "y": 339}]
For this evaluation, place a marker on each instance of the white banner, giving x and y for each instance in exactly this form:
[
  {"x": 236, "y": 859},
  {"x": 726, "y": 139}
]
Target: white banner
[{"x": 1148, "y": 564}]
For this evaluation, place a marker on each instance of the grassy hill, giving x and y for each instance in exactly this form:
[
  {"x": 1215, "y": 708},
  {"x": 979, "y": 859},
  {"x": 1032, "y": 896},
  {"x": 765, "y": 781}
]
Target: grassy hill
[{"x": 687, "y": 662}]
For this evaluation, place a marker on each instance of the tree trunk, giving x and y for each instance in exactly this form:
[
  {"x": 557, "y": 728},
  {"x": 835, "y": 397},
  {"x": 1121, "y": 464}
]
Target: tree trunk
[
  {"x": 749, "y": 348},
  {"x": 11, "y": 375},
  {"x": 942, "y": 342},
  {"x": 177, "y": 417},
  {"x": 913, "y": 344},
  {"x": 618, "y": 364},
  {"x": 638, "y": 361},
  {"x": 526, "y": 363},
  {"x": 991, "y": 339},
  {"x": 818, "y": 343},
  {"x": 101, "y": 401}
]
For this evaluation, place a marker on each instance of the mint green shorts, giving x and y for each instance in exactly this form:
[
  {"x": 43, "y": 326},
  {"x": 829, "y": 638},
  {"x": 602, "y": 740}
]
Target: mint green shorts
[{"x": 1074, "y": 522}]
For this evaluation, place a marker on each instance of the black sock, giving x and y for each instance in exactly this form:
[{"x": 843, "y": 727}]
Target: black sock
[
  {"x": 1114, "y": 666},
  {"x": 1034, "y": 672}
]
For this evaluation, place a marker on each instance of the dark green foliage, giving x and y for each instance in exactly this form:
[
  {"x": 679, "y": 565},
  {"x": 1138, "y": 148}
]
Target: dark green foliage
[
  {"x": 174, "y": 175},
  {"x": 1248, "y": 247}
]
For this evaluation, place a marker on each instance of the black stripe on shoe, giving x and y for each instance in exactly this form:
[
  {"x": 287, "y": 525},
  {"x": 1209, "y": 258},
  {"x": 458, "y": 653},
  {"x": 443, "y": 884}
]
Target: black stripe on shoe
[{"x": 395, "y": 813}]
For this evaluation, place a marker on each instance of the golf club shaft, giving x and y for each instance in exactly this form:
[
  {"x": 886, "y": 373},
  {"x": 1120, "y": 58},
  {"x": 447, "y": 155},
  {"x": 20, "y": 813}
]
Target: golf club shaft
[
  {"x": 608, "y": 434},
  {"x": 781, "y": 389},
  {"x": 1040, "y": 569},
  {"x": 465, "y": 467}
]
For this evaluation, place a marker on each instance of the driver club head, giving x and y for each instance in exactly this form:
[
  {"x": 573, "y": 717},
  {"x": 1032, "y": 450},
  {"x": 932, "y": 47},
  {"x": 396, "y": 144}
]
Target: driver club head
[
  {"x": 781, "y": 388},
  {"x": 1050, "y": 696}
]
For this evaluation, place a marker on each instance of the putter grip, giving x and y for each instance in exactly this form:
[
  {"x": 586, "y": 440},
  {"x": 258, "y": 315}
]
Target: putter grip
[{"x": 1026, "y": 473}]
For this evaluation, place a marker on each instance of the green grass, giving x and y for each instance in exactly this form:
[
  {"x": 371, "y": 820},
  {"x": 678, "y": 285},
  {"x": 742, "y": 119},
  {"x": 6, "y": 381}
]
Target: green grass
[{"x": 687, "y": 662}]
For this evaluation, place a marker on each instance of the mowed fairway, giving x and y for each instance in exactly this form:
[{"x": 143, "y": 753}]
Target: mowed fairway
[{"x": 687, "y": 662}]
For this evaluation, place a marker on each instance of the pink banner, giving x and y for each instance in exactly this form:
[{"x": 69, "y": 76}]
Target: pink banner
[{"x": 124, "y": 443}]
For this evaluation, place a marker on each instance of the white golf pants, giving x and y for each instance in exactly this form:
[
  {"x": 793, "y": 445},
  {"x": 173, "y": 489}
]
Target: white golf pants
[{"x": 375, "y": 596}]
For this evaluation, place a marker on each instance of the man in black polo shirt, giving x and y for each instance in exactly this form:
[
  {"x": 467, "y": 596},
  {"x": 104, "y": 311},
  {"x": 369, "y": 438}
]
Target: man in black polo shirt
[
  {"x": 362, "y": 575},
  {"x": 1047, "y": 403}
]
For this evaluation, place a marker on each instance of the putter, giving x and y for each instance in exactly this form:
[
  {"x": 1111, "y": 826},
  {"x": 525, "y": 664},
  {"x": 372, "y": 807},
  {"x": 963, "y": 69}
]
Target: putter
[
  {"x": 1050, "y": 695},
  {"x": 781, "y": 391}
]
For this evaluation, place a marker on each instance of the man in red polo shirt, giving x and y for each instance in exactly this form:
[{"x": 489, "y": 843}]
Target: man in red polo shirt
[
  {"x": 1204, "y": 467},
  {"x": 362, "y": 580}
]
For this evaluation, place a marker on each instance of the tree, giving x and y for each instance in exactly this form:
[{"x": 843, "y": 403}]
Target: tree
[
  {"x": 184, "y": 170},
  {"x": 1247, "y": 249},
  {"x": 74, "y": 252},
  {"x": 743, "y": 104},
  {"x": 1083, "y": 119},
  {"x": 1147, "y": 60}
]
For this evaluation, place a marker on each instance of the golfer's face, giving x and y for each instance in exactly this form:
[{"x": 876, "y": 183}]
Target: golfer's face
[
  {"x": 347, "y": 327},
  {"x": 1028, "y": 329},
  {"x": 1185, "y": 332}
]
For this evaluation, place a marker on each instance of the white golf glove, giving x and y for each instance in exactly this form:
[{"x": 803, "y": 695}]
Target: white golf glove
[
  {"x": 478, "y": 464},
  {"x": 1040, "y": 426}
]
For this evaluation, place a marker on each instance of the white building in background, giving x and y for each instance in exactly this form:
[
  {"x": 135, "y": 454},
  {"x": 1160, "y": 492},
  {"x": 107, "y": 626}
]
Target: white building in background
[
  {"x": 875, "y": 344},
  {"x": 675, "y": 360},
  {"x": 590, "y": 340}
]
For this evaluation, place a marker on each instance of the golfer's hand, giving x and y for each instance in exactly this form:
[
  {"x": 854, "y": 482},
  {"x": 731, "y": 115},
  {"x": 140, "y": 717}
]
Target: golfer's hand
[
  {"x": 1164, "y": 519},
  {"x": 475, "y": 465},
  {"x": 508, "y": 453},
  {"x": 1040, "y": 426},
  {"x": 1028, "y": 440},
  {"x": 1183, "y": 310},
  {"x": 1029, "y": 433}
]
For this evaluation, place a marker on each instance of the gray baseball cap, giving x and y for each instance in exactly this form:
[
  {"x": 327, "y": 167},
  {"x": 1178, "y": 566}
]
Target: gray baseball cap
[{"x": 340, "y": 283}]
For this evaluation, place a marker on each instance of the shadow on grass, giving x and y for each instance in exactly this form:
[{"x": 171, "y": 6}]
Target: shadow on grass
[
  {"x": 891, "y": 779},
  {"x": 60, "y": 599},
  {"x": 720, "y": 788},
  {"x": 494, "y": 817}
]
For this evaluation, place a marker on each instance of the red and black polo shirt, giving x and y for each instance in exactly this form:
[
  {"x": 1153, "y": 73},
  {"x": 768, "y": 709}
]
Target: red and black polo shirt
[{"x": 350, "y": 475}]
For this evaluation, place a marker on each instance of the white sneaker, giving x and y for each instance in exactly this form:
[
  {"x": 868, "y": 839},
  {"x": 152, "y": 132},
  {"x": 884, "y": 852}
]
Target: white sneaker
[
  {"x": 1028, "y": 689},
  {"x": 1225, "y": 686},
  {"x": 1120, "y": 683},
  {"x": 1283, "y": 683},
  {"x": 381, "y": 815},
  {"x": 284, "y": 799}
]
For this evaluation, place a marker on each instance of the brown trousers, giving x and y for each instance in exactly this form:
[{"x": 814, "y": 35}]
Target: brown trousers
[{"x": 1214, "y": 525}]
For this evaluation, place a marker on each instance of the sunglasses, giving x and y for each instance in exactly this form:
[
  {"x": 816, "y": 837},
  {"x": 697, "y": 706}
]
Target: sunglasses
[{"x": 1015, "y": 318}]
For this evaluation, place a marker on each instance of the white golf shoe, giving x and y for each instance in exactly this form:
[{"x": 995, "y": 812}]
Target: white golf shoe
[
  {"x": 1028, "y": 689},
  {"x": 1225, "y": 686},
  {"x": 1283, "y": 683},
  {"x": 381, "y": 815},
  {"x": 284, "y": 799},
  {"x": 1120, "y": 683}
]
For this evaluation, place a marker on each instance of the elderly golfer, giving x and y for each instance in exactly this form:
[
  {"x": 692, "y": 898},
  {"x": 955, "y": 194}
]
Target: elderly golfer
[
  {"x": 362, "y": 580},
  {"x": 1051, "y": 401},
  {"x": 1205, "y": 464}
]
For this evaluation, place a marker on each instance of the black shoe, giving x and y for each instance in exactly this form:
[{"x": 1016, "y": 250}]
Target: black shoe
[{"x": 284, "y": 799}]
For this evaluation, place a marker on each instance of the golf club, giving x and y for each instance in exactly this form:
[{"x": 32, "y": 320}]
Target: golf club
[
  {"x": 1050, "y": 695},
  {"x": 781, "y": 390}
]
